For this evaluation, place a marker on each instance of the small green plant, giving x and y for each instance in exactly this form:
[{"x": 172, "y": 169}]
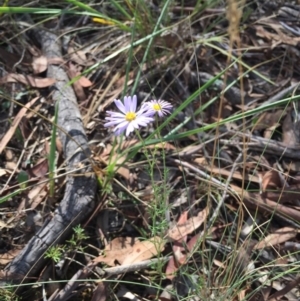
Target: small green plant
[
  {"x": 78, "y": 236},
  {"x": 159, "y": 205},
  {"x": 7, "y": 294},
  {"x": 55, "y": 253}
]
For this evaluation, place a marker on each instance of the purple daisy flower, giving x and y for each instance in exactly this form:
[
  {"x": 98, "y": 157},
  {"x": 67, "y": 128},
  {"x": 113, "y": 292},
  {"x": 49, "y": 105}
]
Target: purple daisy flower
[
  {"x": 129, "y": 119},
  {"x": 160, "y": 107}
]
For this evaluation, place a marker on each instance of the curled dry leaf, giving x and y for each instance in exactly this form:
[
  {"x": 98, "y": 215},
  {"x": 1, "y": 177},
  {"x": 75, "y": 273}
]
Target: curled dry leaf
[
  {"x": 177, "y": 260},
  {"x": 181, "y": 230},
  {"x": 84, "y": 81},
  {"x": 2, "y": 172},
  {"x": 271, "y": 180},
  {"x": 289, "y": 135},
  {"x": 56, "y": 61},
  {"x": 268, "y": 120},
  {"x": 72, "y": 73},
  {"x": 30, "y": 80},
  {"x": 77, "y": 56},
  {"x": 39, "y": 64},
  {"x": 278, "y": 237},
  {"x": 40, "y": 169},
  {"x": 37, "y": 194}
]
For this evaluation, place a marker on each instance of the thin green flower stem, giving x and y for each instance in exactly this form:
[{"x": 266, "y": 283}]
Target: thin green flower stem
[
  {"x": 160, "y": 138},
  {"x": 150, "y": 163}
]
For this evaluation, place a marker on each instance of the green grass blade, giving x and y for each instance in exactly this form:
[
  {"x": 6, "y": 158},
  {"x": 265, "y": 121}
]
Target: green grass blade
[
  {"x": 155, "y": 30},
  {"x": 54, "y": 11},
  {"x": 11, "y": 195},
  {"x": 52, "y": 152},
  {"x": 83, "y": 6},
  {"x": 121, "y": 9}
]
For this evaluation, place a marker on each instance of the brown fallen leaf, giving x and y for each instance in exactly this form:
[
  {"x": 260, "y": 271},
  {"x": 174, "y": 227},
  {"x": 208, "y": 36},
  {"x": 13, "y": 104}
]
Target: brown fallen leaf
[
  {"x": 9, "y": 256},
  {"x": 271, "y": 180},
  {"x": 72, "y": 73},
  {"x": 6, "y": 138},
  {"x": 25, "y": 128},
  {"x": 268, "y": 133},
  {"x": 30, "y": 80},
  {"x": 101, "y": 292},
  {"x": 37, "y": 194},
  {"x": 179, "y": 231},
  {"x": 268, "y": 120},
  {"x": 178, "y": 257},
  {"x": 84, "y": 81},
  {"x": 40, "y": 169},
  {"x": 285, "y": 291},
  {"x": 278, "y": 237},
  {"x": 143, "y": 250},
  {"x": 130, "y": 250},
  {"x": 77, "y": 56},
  {"x": 177, "y": 260},
  {"x": 289, "y": 136},
  {"x": 56, "y": 61},
  {"x": 117, "y": 249},
  {"x": 276, "y": 38},
  {"x": 2, "y": 172},
  {"x": 39, "y": 64}
]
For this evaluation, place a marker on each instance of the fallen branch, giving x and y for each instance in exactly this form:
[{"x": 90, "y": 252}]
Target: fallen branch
[{"x": 77, "y": 202}]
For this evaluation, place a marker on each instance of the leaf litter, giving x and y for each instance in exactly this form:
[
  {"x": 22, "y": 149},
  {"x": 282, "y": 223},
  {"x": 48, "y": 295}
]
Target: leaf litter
[{"x": 263, "y": 188}]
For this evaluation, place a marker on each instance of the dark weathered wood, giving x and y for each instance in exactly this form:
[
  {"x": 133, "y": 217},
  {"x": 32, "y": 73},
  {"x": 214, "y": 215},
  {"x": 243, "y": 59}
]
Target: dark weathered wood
[{"x": 78, "y": 200}]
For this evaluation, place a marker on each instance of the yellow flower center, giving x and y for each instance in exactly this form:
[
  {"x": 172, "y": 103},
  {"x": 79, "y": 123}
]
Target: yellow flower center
[
  {"x": 130, "y": 116},
  {"x": 156, "y": 107}
]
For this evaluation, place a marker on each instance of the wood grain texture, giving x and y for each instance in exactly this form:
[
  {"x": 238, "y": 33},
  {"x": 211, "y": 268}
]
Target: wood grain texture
[{"x": 78, "y": 200}]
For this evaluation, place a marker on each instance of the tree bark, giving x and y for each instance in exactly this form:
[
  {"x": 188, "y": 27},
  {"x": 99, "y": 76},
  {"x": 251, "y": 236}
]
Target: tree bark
[{"x": 78, "y": 200}]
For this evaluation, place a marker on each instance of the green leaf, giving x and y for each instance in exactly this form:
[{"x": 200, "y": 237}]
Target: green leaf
[{"x": 22, "y": 179}]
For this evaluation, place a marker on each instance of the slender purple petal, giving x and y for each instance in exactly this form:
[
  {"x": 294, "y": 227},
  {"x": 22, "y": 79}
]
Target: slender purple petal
[
  {"x": 133, "y": 104},
  {"x": 136, "y": 124},
  {"x": 130, "y": 129},
  {"x": 115, "y": 115},
  {"x": 127, "y": 103},
  {"x": 120, "y": 105},
  {"x": 120, "y": 130},
  {"x": 122, "y": 124},
  {"x": 111, "y": 123}
]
